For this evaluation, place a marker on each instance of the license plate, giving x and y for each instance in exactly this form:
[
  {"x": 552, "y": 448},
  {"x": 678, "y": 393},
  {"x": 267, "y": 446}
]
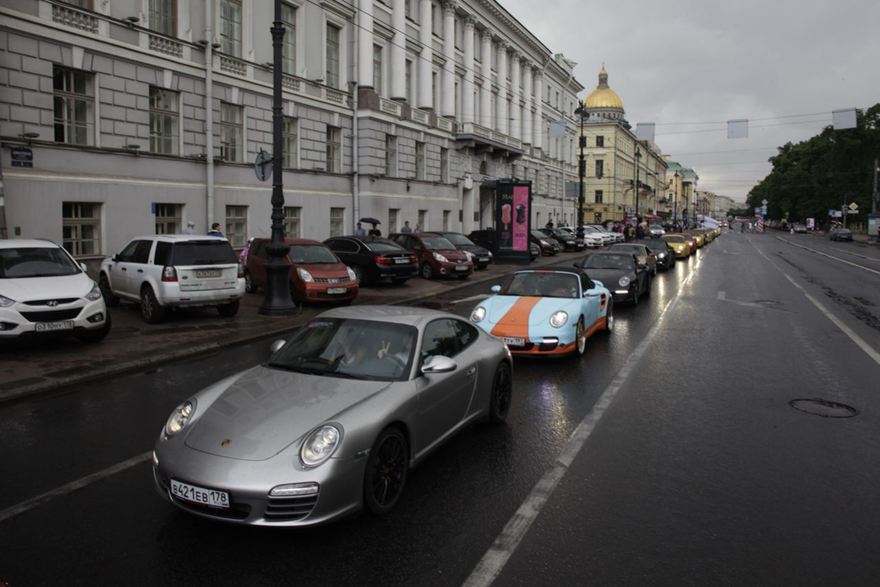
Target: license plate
[
  {"x": 461, "y": 267},
  {"x": 401, "y": 261},
  {"x": 209, "y": 497},
  {"x": 336, "y": 290},
  {"x": 50, "y": 326},
  {"x": 206, "y": 273},
  {"x": 484, "y": 259},
  {"x": 513, "y": 341}
]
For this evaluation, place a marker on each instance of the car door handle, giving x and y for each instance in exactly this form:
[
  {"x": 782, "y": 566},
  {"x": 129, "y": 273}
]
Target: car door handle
[
  {"x": 470, "y": 372},
  {"x": 140, "y": 270},
  {"x": 124, "y": 269}
]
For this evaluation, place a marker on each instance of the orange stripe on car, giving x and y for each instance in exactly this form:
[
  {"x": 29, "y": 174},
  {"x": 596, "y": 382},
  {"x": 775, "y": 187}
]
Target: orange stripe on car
[{"x": 516, "y": 321}]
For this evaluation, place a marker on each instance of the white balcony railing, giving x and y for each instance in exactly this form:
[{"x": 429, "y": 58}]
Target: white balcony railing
[{"x": 67, "y": 15}]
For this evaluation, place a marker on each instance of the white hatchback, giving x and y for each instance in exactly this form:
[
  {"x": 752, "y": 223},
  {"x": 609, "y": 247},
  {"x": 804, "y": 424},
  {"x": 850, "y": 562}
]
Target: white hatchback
[
  {"x": 174, "y": 271},
  {"x": 44, "y": 290}
]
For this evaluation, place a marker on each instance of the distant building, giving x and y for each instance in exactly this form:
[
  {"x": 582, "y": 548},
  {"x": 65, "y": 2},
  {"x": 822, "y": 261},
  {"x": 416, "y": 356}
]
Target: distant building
[
  {"x": 612, "y": 156},
  {"x": 681, "y": 192}
]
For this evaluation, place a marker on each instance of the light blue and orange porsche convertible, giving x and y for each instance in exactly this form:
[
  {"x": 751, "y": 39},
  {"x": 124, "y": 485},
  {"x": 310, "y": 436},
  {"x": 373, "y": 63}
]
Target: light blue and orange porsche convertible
[{"x": 546, "y": 312}]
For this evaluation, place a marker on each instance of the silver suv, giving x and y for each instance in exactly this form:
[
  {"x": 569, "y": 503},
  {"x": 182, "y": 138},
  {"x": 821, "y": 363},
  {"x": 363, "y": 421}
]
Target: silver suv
[{"x": 174, "y": 271}]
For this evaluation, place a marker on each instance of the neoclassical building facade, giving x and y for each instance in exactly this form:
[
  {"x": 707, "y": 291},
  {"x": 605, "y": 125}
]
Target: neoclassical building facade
[{"x": 140, "y": 115}]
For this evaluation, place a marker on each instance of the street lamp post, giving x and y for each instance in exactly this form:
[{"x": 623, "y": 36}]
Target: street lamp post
[
  {"x": 582, "y": 170},
  {"x": 675, "y": 198},
  {"x": 278, "y": 301},
  {"x": 638, "y": 158}
]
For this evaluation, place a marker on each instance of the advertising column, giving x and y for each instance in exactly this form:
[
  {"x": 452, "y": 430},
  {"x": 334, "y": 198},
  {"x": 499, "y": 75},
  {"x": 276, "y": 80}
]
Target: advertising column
[{"x": 513, "y": 203}]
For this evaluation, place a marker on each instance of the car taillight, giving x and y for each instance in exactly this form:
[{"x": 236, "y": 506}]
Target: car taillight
[
  {"x": 240, "y": 271},
  {"x": 413, "y": 259},
  {"x": 384, "y": 261},
  {"x": 169, "y": 274}
]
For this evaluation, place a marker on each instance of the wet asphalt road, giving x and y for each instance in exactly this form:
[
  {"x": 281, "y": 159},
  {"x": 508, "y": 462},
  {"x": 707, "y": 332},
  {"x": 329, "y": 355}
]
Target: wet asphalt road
[{"x": 699, "y": 472}]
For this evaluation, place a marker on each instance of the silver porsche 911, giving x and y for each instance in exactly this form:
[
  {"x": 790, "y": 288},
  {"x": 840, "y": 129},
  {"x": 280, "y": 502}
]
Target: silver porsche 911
[{"x": 334, "y": 420}]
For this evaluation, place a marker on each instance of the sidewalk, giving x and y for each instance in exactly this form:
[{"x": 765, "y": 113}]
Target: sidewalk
[{"x": 132, "y": 345}]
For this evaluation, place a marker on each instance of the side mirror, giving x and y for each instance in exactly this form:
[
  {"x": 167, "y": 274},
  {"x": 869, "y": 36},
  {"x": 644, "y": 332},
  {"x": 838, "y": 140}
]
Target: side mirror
[
  {"x": 495, "y": 289},
  {"x": 116, "y": 258},
  {"x": 438, "y": 364},
  {"x": 578, "y": 265},
  {"x": 83, "y": 266},
  {"x": 276, "y": 346}
]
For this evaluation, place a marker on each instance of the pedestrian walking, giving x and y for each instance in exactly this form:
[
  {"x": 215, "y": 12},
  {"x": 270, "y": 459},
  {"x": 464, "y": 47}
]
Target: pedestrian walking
[
  {"x": 359, "y": 230},
  {"x": 215, "y": 230},
  {"x": 406, "y": 227}
]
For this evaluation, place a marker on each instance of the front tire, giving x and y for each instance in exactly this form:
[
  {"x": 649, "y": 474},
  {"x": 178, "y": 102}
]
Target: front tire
[
  {"x": 427, "y": 271},
  {"x": 107, "y": 291},
  {"x": 249, "y": 285},
  {"x": 386, "y": 473},
  {"x": 580, "y": 338},
  {"x": 502, "y": 392},
  {"x": 609, "y": 318},
  {"x": 151, "y": 311}
]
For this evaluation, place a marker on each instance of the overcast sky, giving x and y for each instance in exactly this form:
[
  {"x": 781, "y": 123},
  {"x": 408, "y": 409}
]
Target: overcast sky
[{"x": 703, "y": 61}]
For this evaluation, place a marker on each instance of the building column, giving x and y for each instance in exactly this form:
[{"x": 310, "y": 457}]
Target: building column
[
  {"x": 467, "y": 209},
  {"x": 516, "y": 115},
  {"x": 448, "y": 106},
  {"x": 365, "y": 44},
  {"x": 467, "y": 90},
  {"x": 486, "y": 89},
  {"x": 502, "y": 122},
  {"x": 398, "y": 55},
  {"x": 538, "y": 127},
  {"x": 530, "y": 102},
  {"x": 426, "y": 55}
]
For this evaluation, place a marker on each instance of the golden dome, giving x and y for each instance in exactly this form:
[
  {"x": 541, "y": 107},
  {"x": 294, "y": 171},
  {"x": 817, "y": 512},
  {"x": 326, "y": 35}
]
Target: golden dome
[{"x": 603, "y": 96}]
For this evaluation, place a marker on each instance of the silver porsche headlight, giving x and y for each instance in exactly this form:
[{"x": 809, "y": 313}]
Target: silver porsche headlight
[
  {"x": 624, "y": 281},
  {"x": 558, "y": 319},
  {"x": 180, "y": 417},
  {"x": 478, "y": 314},
  {"x": 319, "y": 445}
]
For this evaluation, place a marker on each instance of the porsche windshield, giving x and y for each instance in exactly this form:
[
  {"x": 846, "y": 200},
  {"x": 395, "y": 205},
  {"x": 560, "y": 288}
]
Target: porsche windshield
[
  {"x": 543, "y": 284},
  {"x": 624, "y": 262},
  {"x": 348, "y": 348},
  {"x": 36, "y": 262}
]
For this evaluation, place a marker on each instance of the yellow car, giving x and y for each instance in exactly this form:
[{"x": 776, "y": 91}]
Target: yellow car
[
  {"x": 708, "y": 234},
  {"x": 698, "y": 238},
  {"x": 679, "y": 245}
]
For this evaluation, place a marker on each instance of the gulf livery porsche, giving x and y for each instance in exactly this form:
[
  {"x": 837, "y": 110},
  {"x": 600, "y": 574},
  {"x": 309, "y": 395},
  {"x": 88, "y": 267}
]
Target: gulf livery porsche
[{"x": 546, "y": 312}]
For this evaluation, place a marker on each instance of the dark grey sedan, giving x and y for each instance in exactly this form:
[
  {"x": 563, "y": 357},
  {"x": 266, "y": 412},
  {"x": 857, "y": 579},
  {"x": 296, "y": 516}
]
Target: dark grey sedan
[
  {"x": 619, "y": 272},
  {"x": 334, "y": 420}
]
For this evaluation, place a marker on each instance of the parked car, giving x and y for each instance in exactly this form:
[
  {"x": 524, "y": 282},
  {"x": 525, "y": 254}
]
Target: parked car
[
  {"x": 334, "y": 420},
  {"x": 480, "y": 256},
  {"x": 315, "y": 274},
  {"x": 374, "y": 259},
  {"x": 620, "y": 272},
  {"x": 534, "y": 250},
  {"x": 548, "y": 244},
  {"x": 656, "y": 231},
  {"x": 43, "y": 290},
  {"x": 567, "y": 239},
  {"x": 607, "y": 237},
  {"x": 162, "y": 272},
  {"x": 569, "y": 309},
  {"x": 436, "y": 255},
  {"x": 840, "y": 234},
  {"x": 644, "y": 255},
  {"x": 663, "y": 251}
]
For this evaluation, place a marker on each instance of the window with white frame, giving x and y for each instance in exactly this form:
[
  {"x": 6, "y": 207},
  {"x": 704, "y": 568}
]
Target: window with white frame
[
  {"x": 334, "y": 149},
  {"x": 163, "y": 17},
  {"x": 164, "y": 118},
  {"x": 291, "y": 142},
  {"x": 292, "y": 218},
  {"x": 230, "y": 132},
  {"x": 393, "y": 214},
  {"x": 408, "y": 68},
  {"x": 444, "y": 165},
  {"x": 445, "y": 219},
  {"x": 337, "y": 221},
  {"x": 236, "y": 225},
  {"x": 74, "y": 104},
  {"x": 81, "y": 228},
  {"x": 333, "y": 34},
  {"x": 230, "y": 27},
  {"x": 168, "y": 218},
  {"x": 377, "y": 69},
  {"x": 478, "y": 46},
  {"x": 435, "y": 91},
  {"x": 420, "y": 160},
  {"x": 422, "y": 223},
  {"x": 437, "y": 19},
  {"x": 288, "y": 48},
  {"x": 390, "y": 155}
]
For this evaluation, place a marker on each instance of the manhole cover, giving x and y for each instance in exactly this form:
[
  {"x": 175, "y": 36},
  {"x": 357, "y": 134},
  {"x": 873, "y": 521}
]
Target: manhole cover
[{"x": 824, "y": 408}]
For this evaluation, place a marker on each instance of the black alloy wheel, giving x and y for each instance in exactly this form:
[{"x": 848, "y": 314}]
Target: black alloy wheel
[
  {"x": 249, "y": 285},
  {"x": 386, "y": 473},
  {"x": 151, "y": 311},
  {"x": 107, "y": 291},
  {"x": 427, "y": 271},
  {"x": 502, "y": 392}
]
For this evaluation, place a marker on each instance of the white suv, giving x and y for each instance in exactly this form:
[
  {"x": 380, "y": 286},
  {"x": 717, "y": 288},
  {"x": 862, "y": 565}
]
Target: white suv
[
  {"x": 43, "y": 289},
  {"x": 174, "y": 271}
]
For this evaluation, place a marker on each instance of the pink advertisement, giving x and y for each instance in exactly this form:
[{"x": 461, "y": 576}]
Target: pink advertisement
[{"x": 520, "y": 218}]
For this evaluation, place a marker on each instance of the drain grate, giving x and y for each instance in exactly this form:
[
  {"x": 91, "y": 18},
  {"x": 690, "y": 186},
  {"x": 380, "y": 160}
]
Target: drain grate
[{"x": 823, "y": 408}]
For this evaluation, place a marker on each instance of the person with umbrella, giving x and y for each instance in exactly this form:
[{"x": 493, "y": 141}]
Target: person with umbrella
[{"x": 373, "y": 231}]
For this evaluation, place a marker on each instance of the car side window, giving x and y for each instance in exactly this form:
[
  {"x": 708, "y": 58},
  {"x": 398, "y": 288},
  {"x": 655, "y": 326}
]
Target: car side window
[
  {"x": 586, "y": 284},
  {"x": 128, "y": 252},
  {"x": 142, "y": 252},
  {"x": 342, "y": 246},
  {"x": 163, "y": 253},
  {"x": 466, "y": 333},
  {"x": 440, "y": 338}
]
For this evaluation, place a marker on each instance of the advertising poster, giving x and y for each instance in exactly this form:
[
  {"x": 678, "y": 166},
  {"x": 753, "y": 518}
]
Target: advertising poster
[
  {"x": 521, "y": 218},
  {"x": 513, "y": 219}
]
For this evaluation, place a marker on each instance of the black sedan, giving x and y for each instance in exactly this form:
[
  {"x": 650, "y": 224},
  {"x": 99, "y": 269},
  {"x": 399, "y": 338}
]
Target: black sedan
[
  {"x": 567, "y": 239},
  {"x": 620, "y": 273},
  {"x": 480, "y": 256},
  {"x": 665, "y": 255},
  {"x": 548, "y": 244},
  {"x": 374, "y": 259}
]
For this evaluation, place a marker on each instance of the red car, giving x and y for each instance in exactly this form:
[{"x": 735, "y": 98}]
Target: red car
[
  {"x": 316, "y": 274},
  {"x": 437, "y": 256}
]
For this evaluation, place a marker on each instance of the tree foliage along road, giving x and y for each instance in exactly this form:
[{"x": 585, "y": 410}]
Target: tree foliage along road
[{"x": 813, "y": 176}]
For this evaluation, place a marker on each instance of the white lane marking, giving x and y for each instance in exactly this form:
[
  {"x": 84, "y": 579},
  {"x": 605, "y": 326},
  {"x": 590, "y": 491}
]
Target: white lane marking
[
  {"x": 493, "y": 562},
  {"x": 855, "y": 254},
  {"x": 471, "y": 299},
  {"x": 827, "y": 255},
  {"x": 860, "y": 342},
  {"x": 30, "y": 504}
]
